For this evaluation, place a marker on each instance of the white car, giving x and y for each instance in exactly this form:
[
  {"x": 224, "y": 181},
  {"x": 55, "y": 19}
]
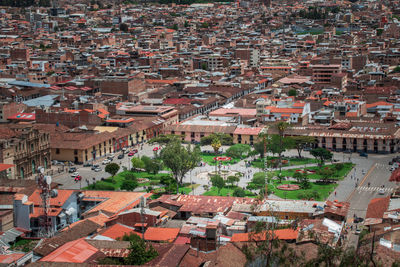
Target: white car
[
  {"x": 98, "y": 169},
  {"x": 75, "y": 174},
  {"x": 381, "y": 191},
  {"x": 106, "y": 161},
  {"x": 393, "y": 168}
]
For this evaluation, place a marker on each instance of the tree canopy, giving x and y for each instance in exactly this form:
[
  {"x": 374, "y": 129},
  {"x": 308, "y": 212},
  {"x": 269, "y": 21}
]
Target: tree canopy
[
  {"x": 180, "y": 159},
  {"x": 238, "y": 151},
  {"x": 164, "y": 139},
  {"x": 300, "y": 142},
  {"x": 218, "y": 182},
  {"x": 112, "y": 168},
  {"x": 225, "y": 139},
  {"x": 321, "y": 154}
]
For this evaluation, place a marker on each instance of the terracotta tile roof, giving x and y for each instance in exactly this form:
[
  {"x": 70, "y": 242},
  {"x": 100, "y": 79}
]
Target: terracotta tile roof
[
  {"x": 379, "y": 103},
  {"x": 118, "y": 230},
  {"x": 248, "y": 131},
  {"x": 58, "y": 201},
  {"x": 161, "y": 234},
  {"x": 114, "y": 201},
  {"x": 285, "y": 110},
  {"x": 77, "y": 251},
  {"x": 99, "y": 219},
  {"x": 377, "y": 207},
  {"x": 352, "y": 114},
  {"x": 233, "y": 111},
  {"x": 283, "y": 234}
]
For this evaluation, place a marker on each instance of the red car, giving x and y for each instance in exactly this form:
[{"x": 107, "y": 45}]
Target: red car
[
  {"x": 78, "y": 178},
  {"x": 131, "y": 154}
]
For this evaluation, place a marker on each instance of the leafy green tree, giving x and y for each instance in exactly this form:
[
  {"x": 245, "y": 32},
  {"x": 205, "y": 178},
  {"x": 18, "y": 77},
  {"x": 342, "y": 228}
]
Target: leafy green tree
[
  {"x": 175, "y": 27},
  {"x": 238, "y": 151},
  {"x": 180, "y": 160},
  {"x": 300, "y": 142},
  {"x": 139, "y": 251},
  {"x": 232, "y": 180},
  {"x": 186, "y": 24},
  {"x": 216, "y": 144},
  {"x": 239, "y": 192},
  {"x": 225, "y": 139},
  {"x": 218, "y": 182},
  {"x": 258, "y": 180},
  {"x": 112, "y": 168},
  {"x": 164, "y": 139},
  {"x": 321, "y": 154},
  {"x": 326, "y": 173},
  {"x": 302, "y": 180},
  {"x": 151, "y": 165},
  {"x": 129, "y": 184},
  {"x": 137, "y": 163}
]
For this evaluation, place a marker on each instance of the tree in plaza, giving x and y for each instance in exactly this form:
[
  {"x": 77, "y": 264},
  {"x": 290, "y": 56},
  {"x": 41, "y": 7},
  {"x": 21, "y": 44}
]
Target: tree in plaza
[
  {"x": 151, "y": 165},
  {"x": 278, "y": 145},
  {"x": 258, "y": 180},
  {"x": 238, "y": 151},
  {"x": 321, "y": 154},
  {"x": 225, "y": 139},
  {"x": 216, "y": 145},
  {"x": 218, "y": 182},
  {"x": 326, "y": 173},
  {"x": 292, "y": 92},
  {"x": 180, "y": 160},
  {"x": 137, "y": 163},
  {"x": 300, "y": 142},
  {"x": 302, "y": 179},
  {"x": 239, "y": 192},
  {"x": 164, "y": 139},
  {"x": 112, "y": 169},
  {"x": 232, "y": 180},
  {"x": 281, "y": 127},
  {"x": 129, "y": 184}
]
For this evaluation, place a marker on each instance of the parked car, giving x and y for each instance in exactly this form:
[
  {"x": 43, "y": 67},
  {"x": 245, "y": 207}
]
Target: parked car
[
  {"x": 135, "y": 151},
  {"x": 78, "y": 178},
  {"x": 381, "y": 191},
  {"x": 358, "y": 231},
  {"x": 111, "y": 155},
  {"x": 95, "y": 166},
  {"x": 88, "y": 164},
  {"x": 392, "y": 168},
  {"x": 121, "y": 156},
  {"x": 75, "y": 174},
  {"x": 106, "y": 161},
  {"x": 98, "y": 169},
  {"x": 72, "y": 169},
  {"x": 131, "y": 154},
  {"x": 363, "y": 154}
]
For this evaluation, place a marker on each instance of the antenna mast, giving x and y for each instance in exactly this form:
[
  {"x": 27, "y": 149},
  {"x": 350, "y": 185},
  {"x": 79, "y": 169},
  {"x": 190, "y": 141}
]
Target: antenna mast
[{"x": 45, "y": 225}]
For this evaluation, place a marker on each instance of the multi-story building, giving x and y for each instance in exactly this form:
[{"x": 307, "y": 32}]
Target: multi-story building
[
  {"x": 322, "y": 74},
  {"x": 26, "y": 148}
]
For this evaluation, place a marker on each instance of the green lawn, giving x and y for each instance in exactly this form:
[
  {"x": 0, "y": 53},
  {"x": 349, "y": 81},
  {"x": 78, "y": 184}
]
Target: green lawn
[
  {"x": 339, "y": 174},
  {"x": 259, "y": 163},
  {"x": 323, "y": 190},
  {"x": 209, "y": 159},
  {"x": 226, "y": 191}
]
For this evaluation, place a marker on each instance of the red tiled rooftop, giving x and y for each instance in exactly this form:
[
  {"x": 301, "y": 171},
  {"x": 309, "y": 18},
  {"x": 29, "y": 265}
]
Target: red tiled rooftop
[
  {"x": 377, "y": 207},
  {"x": 161, "y": 234},
  {"x": 77, "y": 251},
  {"x": 283, "y": 234},
  {"x": 10, "y": 258},
  {"x": 118, "y": 230},
  {"x": 248, "y": 131},
  {"x": 23, "y": 117}
]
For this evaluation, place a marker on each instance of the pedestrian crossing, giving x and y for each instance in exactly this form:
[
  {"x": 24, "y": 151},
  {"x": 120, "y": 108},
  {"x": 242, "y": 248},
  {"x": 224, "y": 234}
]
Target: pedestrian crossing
[{"x": 374, "y": 189}]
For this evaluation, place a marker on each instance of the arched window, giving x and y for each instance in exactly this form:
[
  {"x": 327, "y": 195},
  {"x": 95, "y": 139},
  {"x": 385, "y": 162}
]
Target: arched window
[{"x": 33, "y": 167}]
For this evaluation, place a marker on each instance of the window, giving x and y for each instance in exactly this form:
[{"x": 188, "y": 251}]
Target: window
[
  {"x": 32, "y": 147},
  {"x": 57, "y": 151},
  {"x": 76, "y": 152}
]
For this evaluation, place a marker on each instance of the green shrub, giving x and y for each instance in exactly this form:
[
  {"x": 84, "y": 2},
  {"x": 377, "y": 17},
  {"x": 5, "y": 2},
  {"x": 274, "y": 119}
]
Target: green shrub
[{"x": 102, "y": 186}]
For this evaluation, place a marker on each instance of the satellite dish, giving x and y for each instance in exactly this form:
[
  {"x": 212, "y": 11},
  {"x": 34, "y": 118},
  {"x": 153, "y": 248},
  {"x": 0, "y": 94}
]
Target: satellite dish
[{"x": 48, "y": 180}]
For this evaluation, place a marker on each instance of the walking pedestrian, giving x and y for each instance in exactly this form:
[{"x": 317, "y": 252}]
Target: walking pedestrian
[{"x": 335, "y": 193}]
